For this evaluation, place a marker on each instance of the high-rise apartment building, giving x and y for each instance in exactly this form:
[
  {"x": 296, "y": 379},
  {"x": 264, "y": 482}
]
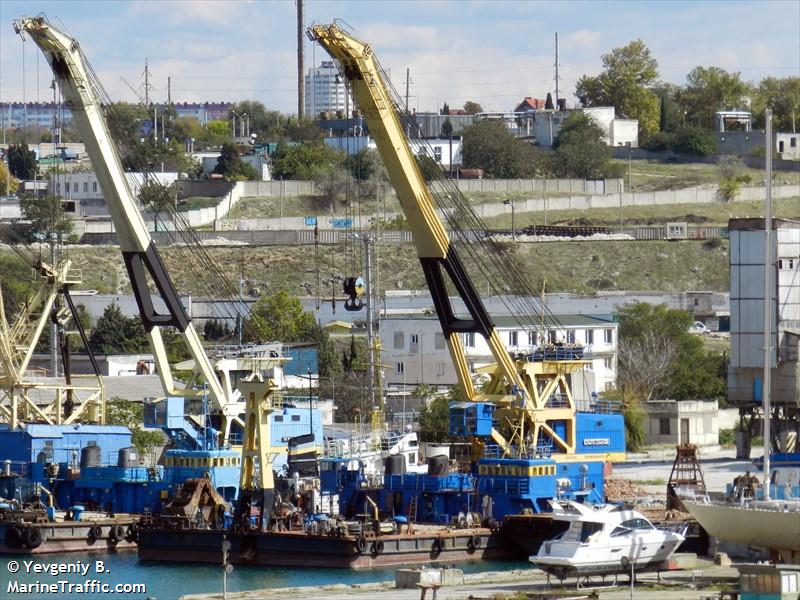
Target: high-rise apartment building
[{"x": 325, "y": 90}]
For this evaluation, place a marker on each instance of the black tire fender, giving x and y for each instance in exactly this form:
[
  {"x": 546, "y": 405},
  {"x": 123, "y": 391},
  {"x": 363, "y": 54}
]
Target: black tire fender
[
  {"x": 13, "y": 537},
  {"x": 32, "y": 537},
  {"x": 116, "y": 533},
  {"x": 132, "y": 533},
  {"x": 437, "y": 547},
  {"x": 361, "y": 544},
  {"x": 377, "y": 548}
]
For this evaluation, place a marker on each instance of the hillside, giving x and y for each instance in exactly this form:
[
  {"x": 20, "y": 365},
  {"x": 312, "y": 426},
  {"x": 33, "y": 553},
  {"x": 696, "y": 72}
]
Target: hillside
[{"x": 579, "y": 267}]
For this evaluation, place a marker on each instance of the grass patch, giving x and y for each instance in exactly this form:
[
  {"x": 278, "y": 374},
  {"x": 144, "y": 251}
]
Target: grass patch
[
  {"x": 655, "y": 481},
  {"x": 195, "y": 202},
  {"x": 576, "y": 267}
]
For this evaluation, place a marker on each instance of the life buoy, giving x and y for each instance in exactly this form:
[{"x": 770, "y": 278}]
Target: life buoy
[
  {"x": 32, "y": 537},
  {"x": 377, "y": 548},
  {"x": 13, "y": 537},
  {"x": 361, "y": 544},
  {"x": 436, "y": 547}
]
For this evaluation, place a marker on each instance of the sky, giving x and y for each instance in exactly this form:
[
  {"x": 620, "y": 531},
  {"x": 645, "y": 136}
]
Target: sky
[{"x": 491, "y": 52}]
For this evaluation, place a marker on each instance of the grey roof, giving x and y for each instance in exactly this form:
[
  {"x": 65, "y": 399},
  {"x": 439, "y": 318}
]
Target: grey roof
[{"x": 511, "y": 321}]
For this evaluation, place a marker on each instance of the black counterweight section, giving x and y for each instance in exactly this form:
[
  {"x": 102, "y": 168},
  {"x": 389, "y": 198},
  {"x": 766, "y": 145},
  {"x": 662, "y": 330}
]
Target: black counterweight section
[
  {"x": 136, "y": 263},
  {"x": 480, "y": 322}
]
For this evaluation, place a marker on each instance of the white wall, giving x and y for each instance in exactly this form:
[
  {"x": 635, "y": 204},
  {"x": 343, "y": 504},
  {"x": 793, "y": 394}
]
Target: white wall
[
  {"x": 428, "y": 360},
  {"x": 790, "y": 152}
]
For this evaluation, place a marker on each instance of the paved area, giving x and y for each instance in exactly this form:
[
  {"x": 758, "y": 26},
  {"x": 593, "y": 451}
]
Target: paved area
[
  {"x": 698, "y": 584},
  {"x": 719, "y": 468}
]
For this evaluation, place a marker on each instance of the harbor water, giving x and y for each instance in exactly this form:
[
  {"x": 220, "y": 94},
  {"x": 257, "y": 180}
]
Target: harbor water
[{"x": 170, "y": 581}]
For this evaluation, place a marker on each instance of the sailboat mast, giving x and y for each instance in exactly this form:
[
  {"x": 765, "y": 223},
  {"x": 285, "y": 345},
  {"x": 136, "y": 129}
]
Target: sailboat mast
[{"x": 765, "y": 394}]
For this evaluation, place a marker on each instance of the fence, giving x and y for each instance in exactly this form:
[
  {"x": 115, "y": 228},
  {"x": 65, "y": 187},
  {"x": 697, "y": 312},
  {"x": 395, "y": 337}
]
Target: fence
[{"x": 669, "y": 231}]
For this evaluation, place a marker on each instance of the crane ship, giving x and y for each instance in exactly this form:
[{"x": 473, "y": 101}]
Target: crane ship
[{"x": 530, "y": 442}]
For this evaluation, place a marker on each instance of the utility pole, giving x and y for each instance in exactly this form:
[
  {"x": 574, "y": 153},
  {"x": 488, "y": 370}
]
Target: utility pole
[
  {"x": 367, "y": 239},
  {"x": 169, "y": 91},
  {"x": 408, "y": 80},
  {"x": 768, "y": 314},
  {"x": 556, "y": 69},
  {"x": 146, "y": 83},
  {"x": 301, "y": 95}
]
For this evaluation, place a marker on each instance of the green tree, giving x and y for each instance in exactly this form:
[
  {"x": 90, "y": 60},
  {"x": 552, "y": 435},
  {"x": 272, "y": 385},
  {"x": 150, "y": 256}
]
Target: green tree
[
  {"x": 434, "y": 420},
  {"x": 548, "y": 103},
  {"x": 15, "y": 283},
  {"x": 214, "y": 330},
  {"x": 629, "y": 73},
  {"x": 731, "y": 179},
  {"x": 580, "y": 150},
  {"x": 472, "y": 108},
  {"x": 695, "y": 140},
  {"x": 125, "y": 413},
  {"x": 280, "y": 317},
  {"x": 428, "y": 166},
  {"x": 8, "y": 184},
  {"x": 488, "y": 145},
  {"x": 711, "y": 89},
  {"x": 302, "y": 161},
  {"x": 365, "y": 164},
  {"x": 231, "y": 167},
  {"x": 783, "y": 97},
  {"x": 46, "y": 215},
  {"x": 305, "y": 130},
  {"x": 156, "y": 196},
  {"x": 114, "y": 333},
  {"x": 21, "y": 161}
]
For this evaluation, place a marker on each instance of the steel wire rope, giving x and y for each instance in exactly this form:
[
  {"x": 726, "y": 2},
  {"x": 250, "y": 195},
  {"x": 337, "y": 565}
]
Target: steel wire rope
[
  {"x": 181, "y": 226},
  {"x": 493, "y": 257}
]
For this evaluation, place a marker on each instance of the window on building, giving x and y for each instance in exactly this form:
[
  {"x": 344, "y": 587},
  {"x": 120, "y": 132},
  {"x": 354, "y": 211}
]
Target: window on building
[
  {"x": 663, "y": 426},
  {"x": 608, "y": 362},
  {"x": 469, "y": 339},
  {"x": 94, "y": 186},
  {"x": 75, "y": 187},
  {"x": 279, "y": 418},
  {"x": 295, "y": 417},
  {"x": 608, "y": 336},
  {"x": 399, "y": 340},
  {"x": 85, "y": 187},
  {"x": 589, "y": 337},
  {"x": 58, "y": 188},
  {"x": 532, "y": 337},
  {"x": 512, "y": 339},
  {"x": 440, "y": 368},
  {"x": 400, "y": 368},
  {"x": 571, "y": 336},
  {"x": 552, "y": 336},
  {"x": 438, "y": 340},
  {"x": 437, "y": 153},
  {"x": 793, "y": 142},
  {"x": 413, "y": 343}
]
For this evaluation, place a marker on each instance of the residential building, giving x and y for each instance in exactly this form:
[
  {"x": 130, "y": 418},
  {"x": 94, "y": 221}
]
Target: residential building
[
  {"x": 746, "y": 368},
  {"x": 616, "y": 132},
  {"x": 529, "y": 104},
  {"x": 204, "y": 111},
  {"x": 325, "y": 91},
  {"x": 82, "y": 189},
  {"x": 686, "y": 422},
  {"x": 788, "y": 145},
  {"x": 14, "y": 115},
  {"x": 415, "y": 351},
  {"x": 444, "y": 150}
]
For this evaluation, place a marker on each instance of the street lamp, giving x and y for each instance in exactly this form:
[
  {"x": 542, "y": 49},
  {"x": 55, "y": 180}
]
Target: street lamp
[{"x": 510, "y": 202}]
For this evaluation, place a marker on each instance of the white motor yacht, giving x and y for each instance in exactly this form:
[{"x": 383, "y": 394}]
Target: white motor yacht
[{"x": 603, "y": 540}]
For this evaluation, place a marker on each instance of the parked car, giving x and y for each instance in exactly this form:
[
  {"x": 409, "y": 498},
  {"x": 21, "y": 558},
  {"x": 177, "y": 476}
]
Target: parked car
[{"x": 699, "y": 328}]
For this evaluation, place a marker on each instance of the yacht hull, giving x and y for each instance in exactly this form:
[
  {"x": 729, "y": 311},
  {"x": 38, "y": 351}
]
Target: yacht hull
[{"x": 775, "y": 528}]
